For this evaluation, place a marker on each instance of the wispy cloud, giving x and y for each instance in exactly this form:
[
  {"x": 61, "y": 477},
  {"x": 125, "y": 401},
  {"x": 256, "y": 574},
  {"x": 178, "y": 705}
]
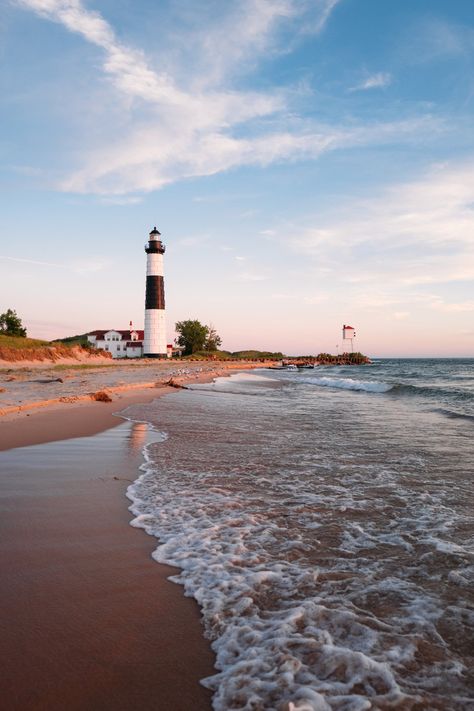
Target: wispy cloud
[
  {"x": 453, "y": 306},
  {"x": 319, "y": 13},
  {"x": 435, "y": 39},
  {"x": 374, "y": 81},
  {"x": 80, "y": 267},
  {"x": 31, "y": 261},
  {"x": 387, "y": 250},
  {"x": 121, "y": 199},
  {"x": 194, "y": 123}
]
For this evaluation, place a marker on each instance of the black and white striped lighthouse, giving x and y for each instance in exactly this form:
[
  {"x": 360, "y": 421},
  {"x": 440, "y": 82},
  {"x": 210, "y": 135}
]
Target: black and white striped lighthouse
[{"x": 154, "y": 343}]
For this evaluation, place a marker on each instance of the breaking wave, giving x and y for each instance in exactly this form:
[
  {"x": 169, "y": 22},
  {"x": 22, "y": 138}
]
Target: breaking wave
[{"x": 370, "y": 386}]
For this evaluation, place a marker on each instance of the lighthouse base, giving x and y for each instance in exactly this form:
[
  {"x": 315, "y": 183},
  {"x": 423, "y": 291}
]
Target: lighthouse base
[{"x": 154, "y": 342}]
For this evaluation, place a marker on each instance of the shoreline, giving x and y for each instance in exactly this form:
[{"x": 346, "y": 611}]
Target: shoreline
[
  {"x": 90, "y": 619},
  {"x": 79, "y": 415}
]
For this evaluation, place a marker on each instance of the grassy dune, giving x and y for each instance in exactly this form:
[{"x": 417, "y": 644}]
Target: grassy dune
[
  {"x": 14, "y": 349},
  {"x": 21, "y": 343}
]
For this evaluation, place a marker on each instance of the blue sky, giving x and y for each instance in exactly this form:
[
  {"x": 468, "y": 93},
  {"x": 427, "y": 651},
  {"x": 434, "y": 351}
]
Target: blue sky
[{"x": 308, "y": 162}]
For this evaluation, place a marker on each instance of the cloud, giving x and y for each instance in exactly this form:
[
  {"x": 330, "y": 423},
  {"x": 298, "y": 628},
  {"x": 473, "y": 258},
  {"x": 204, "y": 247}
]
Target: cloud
[
  {"x": 32, "y": 261},
  {"x": 121, "y": 200},
  {"x": 375, "y": 81},
  {"x": 437, "y": 39},
  {"x": 452, "y": 307},
  {"x": 319, "y": 14},
  {"x": 225, "y": 44},
  {"x": 388, "y": 249},
  {"x": 156, "y": 155},
  {"x": 80, "y": 267},
  {"x": 189, "y": 122}
]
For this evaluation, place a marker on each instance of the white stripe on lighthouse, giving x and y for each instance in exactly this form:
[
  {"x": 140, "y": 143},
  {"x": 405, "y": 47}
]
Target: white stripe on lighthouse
[{"x": 154, "y": 264}]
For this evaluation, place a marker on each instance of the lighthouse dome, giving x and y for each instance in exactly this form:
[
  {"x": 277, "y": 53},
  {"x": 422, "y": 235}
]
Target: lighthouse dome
[
  {"x": 155, "y": 245},
  {"x": 155, "y": 234}
]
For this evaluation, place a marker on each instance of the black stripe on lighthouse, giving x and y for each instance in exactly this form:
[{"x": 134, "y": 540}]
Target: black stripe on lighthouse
[{"x": 155, "y": 292}]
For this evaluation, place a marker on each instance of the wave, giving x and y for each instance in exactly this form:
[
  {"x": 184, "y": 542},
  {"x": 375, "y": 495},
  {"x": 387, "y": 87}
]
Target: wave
[
  {"x": 453, "y": 395},
  {"x": 370, "y": 386},
  {"x": 454, "y": 415},
  {"x": 244, "y": 378}
]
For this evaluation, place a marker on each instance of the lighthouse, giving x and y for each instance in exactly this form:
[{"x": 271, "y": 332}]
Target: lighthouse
[{"x": 154, "y": 343}]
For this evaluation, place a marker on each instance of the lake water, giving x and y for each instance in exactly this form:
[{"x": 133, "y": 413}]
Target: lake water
[{"x": 323, "y": 521}]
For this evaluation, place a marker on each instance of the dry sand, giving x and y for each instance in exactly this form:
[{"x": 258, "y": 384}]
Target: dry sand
[{"x": 88, "y": 620}]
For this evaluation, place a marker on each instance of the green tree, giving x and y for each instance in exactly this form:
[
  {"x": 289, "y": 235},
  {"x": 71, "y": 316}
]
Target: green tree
[
  {"x": 11, "y": 325},
  {"x": 192, "y": 335},
  {"x": 213, "y": 340}
]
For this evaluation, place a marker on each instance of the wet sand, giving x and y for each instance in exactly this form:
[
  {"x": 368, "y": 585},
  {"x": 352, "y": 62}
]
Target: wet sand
[
  {"x": 40, "y": 409},
  {"x": 64, "y": 421},
  {"x": 88, "y": 620}
]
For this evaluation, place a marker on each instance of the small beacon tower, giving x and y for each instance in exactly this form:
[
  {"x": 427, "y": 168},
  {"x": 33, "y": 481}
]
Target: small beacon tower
[
  {"x": 154, "y": 342},
  {"x": 348, "y": 334}
]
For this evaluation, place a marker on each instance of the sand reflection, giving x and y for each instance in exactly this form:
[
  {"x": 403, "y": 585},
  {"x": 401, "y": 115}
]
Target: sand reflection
[{"x": 137, "y": 437}]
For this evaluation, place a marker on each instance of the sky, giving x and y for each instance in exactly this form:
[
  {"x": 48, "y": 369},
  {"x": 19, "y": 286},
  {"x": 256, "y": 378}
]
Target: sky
[{"x": 309, "y": 163}]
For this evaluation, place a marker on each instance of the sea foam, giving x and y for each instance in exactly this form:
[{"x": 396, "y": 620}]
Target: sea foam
[
  {"x": 280, "y": 634},
  {"x": 272, "y": 646},
  {"x": 370, "y": 386}
]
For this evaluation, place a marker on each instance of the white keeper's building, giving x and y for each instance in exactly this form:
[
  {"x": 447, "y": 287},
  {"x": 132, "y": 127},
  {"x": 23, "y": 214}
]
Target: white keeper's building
[
  {"x": 120, "y": 344},
  {"x": 124, "y": 344}
]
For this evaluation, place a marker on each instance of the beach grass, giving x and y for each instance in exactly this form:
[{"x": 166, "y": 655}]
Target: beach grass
[{"x": 20, "y": 343}]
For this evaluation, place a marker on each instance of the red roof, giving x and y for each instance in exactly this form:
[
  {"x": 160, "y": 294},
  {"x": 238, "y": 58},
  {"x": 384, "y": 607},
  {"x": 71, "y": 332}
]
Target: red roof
[
  {"x": 134, "y": 344},
  {"x": 351, "y": 327},
  {"x": 126, "y": 335}
]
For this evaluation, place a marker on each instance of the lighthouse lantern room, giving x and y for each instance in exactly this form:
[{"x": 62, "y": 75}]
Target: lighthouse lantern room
[{"x": 154, "y": 343}]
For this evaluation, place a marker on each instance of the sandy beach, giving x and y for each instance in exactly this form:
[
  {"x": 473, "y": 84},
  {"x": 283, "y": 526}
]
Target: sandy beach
[{"x": 89, "y": 620}]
